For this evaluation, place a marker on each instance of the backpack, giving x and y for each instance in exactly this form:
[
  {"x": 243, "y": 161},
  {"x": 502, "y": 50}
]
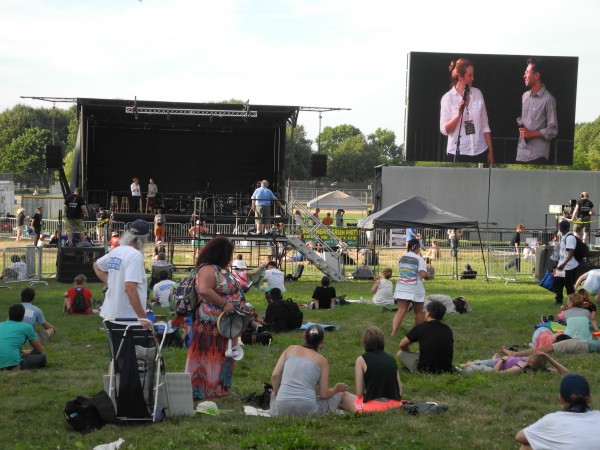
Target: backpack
[
  {"x": 184, "y": 298},
  {"x": 84, "y": 414},
  {"x": 581, "y": 250},
  {"x": 295, "y": 316},
  {"x": 79, "y": 303}
]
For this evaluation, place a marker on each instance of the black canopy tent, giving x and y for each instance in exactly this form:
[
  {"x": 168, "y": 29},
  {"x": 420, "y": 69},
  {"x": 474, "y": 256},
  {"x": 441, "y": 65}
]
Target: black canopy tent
[{"x": 419, "y": 213}]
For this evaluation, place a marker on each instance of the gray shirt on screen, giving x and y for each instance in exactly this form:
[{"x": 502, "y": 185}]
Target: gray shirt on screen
[{"x": 538, "y": 114}]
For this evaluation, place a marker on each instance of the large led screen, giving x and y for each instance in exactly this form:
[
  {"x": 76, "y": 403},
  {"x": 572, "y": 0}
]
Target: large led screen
[{"x": 501, "y": 84}]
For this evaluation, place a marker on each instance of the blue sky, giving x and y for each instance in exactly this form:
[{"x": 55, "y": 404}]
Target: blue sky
[{"x": 329, "y": 53}]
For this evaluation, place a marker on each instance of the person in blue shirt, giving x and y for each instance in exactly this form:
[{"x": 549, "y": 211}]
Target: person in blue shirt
[
  {"x": 34, "y": 315},
  {"x": 261, "y": 205}
]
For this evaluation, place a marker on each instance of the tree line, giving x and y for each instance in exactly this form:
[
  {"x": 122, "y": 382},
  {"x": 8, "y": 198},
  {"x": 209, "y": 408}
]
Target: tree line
[{"x": 351, "y": 154}]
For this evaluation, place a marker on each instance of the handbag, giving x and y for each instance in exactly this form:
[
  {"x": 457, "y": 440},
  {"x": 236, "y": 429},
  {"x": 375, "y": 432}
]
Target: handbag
[{"x": 547, "y": 281}]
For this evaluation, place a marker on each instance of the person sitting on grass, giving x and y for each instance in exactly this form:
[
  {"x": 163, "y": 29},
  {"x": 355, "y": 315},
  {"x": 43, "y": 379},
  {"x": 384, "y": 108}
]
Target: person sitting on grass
[
  {"x": 515, "y": 364},
  {"x": 436, "y": 343},
  {"x": 378, "y": 386},
  {"x": 383, "y": 289},
  {"x": 323, "y": 296},
  {"x": 575, "y": 426},
  {"x": 468, "y": 273},
  {"x": 72, "y": 303},
  {"x": 13, "y": 335},
  {"x": 34, "y": 315},
  {"x": 299, "y": 370},
  {"x": 577, "y": 318},
  {"x": 16, "y": 271},
  {"x": 162, "y": 290}
]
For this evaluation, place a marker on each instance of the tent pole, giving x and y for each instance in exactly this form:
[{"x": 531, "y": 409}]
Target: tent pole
[{"x": 482, "y": 254}]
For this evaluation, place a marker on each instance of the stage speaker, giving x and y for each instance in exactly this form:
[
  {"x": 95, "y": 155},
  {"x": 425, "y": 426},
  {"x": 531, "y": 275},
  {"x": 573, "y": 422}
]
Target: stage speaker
[
  {"x": 318, "y": 165},
  {"x": 54, "y": 156},
  {"x": 75, "y": 260}
]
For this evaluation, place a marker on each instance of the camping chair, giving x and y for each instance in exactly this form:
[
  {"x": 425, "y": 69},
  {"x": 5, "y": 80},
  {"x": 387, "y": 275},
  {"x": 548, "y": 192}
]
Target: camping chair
[
  {"x": 297, "y": 275},
  {"x": 136, "y": 378}
]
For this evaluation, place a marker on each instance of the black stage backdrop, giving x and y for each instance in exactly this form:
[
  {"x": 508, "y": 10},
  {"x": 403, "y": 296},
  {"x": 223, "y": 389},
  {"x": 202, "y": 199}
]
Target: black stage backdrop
[
  {"x": 182, "y": 153},
  {"x": 500, "y": 78}
]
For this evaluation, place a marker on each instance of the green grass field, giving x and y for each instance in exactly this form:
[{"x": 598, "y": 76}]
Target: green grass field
[{"x": 485, "y": 410}]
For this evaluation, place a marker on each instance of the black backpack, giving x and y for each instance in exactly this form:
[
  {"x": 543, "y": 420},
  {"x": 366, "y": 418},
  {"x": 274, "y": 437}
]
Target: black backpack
[
  {"x": 79, "y": 303},
  {"x": 85, "y": 414},
  {"x": 581, "y": 250},
  {"x": 295, "y": 316}
]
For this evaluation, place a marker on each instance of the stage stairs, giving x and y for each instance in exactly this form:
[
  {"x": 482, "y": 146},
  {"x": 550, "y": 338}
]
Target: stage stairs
[{"x": 328, "y": 261}]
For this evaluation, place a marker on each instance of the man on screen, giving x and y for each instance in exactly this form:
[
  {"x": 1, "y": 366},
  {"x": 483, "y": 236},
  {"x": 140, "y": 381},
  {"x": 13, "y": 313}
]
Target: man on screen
[{"x": 538, "y": 123}]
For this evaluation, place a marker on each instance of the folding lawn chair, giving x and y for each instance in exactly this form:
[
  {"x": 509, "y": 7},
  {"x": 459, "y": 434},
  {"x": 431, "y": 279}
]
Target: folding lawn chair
[{"x": 136, "y": 378}]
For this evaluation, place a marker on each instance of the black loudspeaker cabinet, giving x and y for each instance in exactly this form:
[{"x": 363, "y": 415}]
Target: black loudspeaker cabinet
[
  {"x": 543, "y": 261},
  {"x": 73, "y": 261},
  {"x": 318, "y": 165},
  {"x": 54, "y": 156}
]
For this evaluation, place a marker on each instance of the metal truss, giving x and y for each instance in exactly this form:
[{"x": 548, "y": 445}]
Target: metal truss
[{"x": 190, "y": 112}]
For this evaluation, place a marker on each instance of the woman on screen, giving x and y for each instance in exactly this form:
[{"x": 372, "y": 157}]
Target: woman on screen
[{"x": 463, "y": 117}]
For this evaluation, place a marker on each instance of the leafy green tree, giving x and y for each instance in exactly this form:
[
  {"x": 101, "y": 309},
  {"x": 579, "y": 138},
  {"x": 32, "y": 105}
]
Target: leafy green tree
[
  {"x": 353, "y": 161},
  {"x": 586, "y": 154},
  {"x": 385, "y": 143},
  {"x": 27, "y": 152},
  {"x": 331, "y": 138},
  {"x": 297, "y": 153}
]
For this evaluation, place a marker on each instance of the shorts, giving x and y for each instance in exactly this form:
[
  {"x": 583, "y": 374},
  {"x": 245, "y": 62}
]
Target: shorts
[
  {"x": 21, "y": 228},
  {"x": 572, "y": 346},
  {"x": 300, "y": 408},
  {"x": 416, "y": 297},
  {"x": 583, "y": 227},
  {"x": 262, "y": 214},
  {"x": 159, "y": 230},
  {"x": 74, "y": 225}
]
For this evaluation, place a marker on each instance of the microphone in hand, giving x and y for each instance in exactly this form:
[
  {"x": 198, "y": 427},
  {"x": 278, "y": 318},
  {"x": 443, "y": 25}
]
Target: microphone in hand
[
  {"x": 521, "y": 125},
  {"x": 465, "y": 95}
]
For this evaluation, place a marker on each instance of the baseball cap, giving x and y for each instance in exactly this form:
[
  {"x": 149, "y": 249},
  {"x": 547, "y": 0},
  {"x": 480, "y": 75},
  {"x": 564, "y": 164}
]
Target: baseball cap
[
  {"x": 574, "y": 384},
  {"x": 138, "y": 227},
  {"x": 114, "y": 233},
  {"x": 564, "y": 224}
]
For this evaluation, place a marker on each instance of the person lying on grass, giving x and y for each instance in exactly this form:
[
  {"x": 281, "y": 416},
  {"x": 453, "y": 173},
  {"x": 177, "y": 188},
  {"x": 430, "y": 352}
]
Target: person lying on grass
[
  {"x": 574, "y": 426},
  {"x": 514, "y": 364},
  {"x": 299, "y": 370},
  {"x": 568, "y": 345}
]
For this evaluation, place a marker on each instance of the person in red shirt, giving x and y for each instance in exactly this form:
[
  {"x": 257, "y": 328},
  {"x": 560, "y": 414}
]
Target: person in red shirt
[
  {"x": 71, "y": 293},
  {"x": 114, "y": 240},
  {"x": 328, "y": 220}
]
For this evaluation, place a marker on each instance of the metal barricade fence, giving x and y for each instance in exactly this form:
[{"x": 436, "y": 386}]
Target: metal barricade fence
[{"x": 22, "y": 264}]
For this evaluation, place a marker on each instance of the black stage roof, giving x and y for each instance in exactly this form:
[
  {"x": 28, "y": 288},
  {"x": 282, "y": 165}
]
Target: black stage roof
[{"x": 213, "y": 148}]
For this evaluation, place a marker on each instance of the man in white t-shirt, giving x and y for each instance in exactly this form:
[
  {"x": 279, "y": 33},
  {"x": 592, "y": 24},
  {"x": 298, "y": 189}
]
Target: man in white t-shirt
[
  {"x": 122, "y": 270},
  {"x": 590, "y": 281},
  {"x": 566, "y": 273},
  {"x": 274, "y": 277},
  {"x": 162, "y": 290}
]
